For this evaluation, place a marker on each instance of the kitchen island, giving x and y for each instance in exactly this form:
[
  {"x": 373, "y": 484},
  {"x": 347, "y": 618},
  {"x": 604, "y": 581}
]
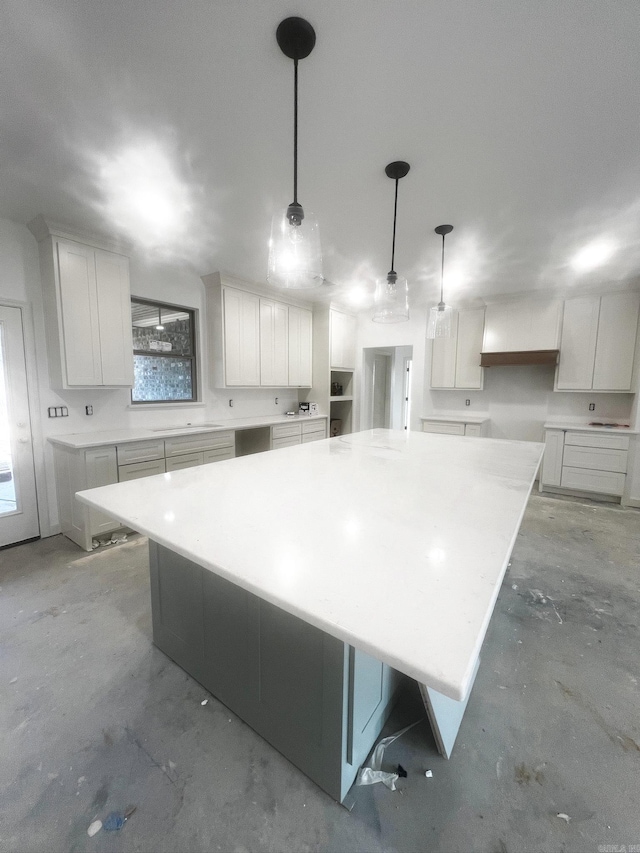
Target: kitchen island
[{"x": 297, "y": 585}]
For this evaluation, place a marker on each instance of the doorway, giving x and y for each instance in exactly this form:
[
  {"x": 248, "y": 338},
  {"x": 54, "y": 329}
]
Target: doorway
[
  {"x": 386, "y": 401},
  {"x": 18, "y": 507}
]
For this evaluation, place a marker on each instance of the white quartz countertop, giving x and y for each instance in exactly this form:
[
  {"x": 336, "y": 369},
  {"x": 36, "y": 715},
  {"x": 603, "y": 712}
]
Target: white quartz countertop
[
  {"x": 80, "y": 440},
  {"x": 394, "y": 542},
  {"x": 585, "y": 427},
  {"x": 458, "y": 419}
]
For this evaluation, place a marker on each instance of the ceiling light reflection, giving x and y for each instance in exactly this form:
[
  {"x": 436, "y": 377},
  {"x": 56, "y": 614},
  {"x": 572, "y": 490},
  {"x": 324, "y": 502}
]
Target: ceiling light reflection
[{"x": 594, "y": 255}]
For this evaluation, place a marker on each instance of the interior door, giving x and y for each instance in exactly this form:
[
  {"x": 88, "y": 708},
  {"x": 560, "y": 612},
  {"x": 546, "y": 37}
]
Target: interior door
[
  {"x": 18, "y": 508},
  {"x": 381, "y": 390}
]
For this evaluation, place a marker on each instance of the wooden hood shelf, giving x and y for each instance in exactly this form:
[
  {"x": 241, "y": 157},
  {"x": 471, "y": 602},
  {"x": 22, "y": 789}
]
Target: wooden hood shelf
[{"x": 536, "y": 356}]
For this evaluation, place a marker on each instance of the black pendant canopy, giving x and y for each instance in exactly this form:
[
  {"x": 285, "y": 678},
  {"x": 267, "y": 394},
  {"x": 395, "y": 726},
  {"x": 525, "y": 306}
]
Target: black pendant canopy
[{"x": 296, "y": 37}]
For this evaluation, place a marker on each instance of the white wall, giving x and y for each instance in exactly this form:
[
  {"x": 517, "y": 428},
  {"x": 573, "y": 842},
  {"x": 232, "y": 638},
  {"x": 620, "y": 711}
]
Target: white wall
[{"x": 20, "y": 283}]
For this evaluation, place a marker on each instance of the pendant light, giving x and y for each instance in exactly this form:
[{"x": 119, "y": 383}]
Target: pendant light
[
  {"x": 295, "y": 257},
  {"x": 391, "y": 301},
  {"x": 439, "y": 325},
  {"x": 160, "y": 327}
]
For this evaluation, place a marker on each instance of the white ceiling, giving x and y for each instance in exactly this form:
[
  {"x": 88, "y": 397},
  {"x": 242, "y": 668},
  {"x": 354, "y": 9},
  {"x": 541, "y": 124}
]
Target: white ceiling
[{"x": 520, "y": 121}]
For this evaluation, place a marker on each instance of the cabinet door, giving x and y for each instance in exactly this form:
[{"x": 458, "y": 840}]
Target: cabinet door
[
  {"x": 101, "y": 469},
  {"x": 616, "y": 342},
  {"x": 79, "y": 314},
  {"x": 578, "y": 345},
  {"x": 343, "y": 340},
  {"x": 522, "y": 325},
  {"x": 300, "y": 347},
  {"x": 274, "y": 343},
  {"x": 552, "y": 460},
  {"x": 114, "y": 318},
  {"x": 443, "y": 358},
  {"x": 468, "y": 372},
  {"x": 241, "y": 337}
]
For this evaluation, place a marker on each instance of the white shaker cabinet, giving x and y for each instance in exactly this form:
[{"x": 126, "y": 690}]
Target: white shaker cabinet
[
  {"x": 598, "y": 343},
  {"x": 241, "y": 331},
  {"x": 253, "y": 340},
  {"x": 274, "y": 343},
  {"x": 520, "y": 325},
  {"x": 342, "y": 340},
  {"x": 300, "y": 347},
  {"x": 87, "y": 303},
  {"x": 455, "y": 361}
]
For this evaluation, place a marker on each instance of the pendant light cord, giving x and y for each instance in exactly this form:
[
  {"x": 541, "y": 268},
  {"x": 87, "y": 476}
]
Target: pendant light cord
[
  {"x": 442, "y": 272},
  {"x": 295, "y": 131},
  {"x": 393, "y": 243}
]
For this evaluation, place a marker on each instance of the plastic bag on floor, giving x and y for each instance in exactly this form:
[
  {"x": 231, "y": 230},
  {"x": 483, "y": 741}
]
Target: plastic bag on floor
[{"x": 373, "y": 773}]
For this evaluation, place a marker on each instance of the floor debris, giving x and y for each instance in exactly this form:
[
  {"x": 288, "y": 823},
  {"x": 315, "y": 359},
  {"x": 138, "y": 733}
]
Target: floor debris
[
  {"x": 204, "y": 701},
  {"x": 428, "y": 774},
  {"x": 563, "y": 816},
  {"x": 372, "y": 774},
  {"x": 94, "y": 826}
]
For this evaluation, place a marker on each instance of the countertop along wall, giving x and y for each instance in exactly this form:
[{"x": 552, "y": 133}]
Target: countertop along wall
[{"x": 20, "y": 284}]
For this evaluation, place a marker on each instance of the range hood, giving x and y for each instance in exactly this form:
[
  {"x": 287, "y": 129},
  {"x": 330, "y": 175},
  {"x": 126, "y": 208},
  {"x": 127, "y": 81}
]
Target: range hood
[{"x": 531, "y": 356}]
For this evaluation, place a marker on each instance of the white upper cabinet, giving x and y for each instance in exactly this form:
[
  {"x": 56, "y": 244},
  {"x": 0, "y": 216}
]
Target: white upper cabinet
[
  {"x": 598, "y": 343},
  {"x": 253, "y": 340},
  {"x": 343, "y": 340},
  {"x": 455, "y": 361},
  {"x": 241, "y": 331},
  {"x": 300, "y": 347},
  {"x": 274, "y": 343},
  {"x": 87, "y": 303},
  {"x": 522, "y": 325}
]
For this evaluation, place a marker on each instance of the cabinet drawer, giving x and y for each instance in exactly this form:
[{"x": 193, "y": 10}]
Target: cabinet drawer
[
  {"x": 197, "y": 442},
  {"x": 312, "y": 436},
  {"x": 595, "y": 458},
  {"x": 605, "y": 482},
  {"x": 276, "y": 443},
  {"x": 186, "y": 460},
  {"x": 610, "y": 441},
  {"x": 473, "y": 429},
  {"x": 219, "y": 454},
  {"x": 314, "y": 426},
  {"x": 136, "y": 470},
  {"x": 286, "y": 430},
  {"x": 449, "y": 428},
  {"x": 139, "y": 451}
]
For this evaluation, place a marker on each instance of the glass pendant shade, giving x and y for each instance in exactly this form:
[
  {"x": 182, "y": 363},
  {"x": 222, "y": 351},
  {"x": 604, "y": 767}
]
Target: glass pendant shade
[
  {"x": 391, "y": 300},
  {"x": 439, "y": 325},
  {"x": 295, "y": 257}
]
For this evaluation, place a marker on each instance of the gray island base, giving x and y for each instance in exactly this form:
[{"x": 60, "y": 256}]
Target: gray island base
[{"x": 317, "y": 700}]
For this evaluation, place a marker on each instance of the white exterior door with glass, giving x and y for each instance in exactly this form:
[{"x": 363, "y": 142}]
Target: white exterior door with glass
[{"x": 18, "y": 507}]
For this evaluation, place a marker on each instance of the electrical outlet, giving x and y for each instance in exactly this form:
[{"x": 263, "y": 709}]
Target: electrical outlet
[
  {"x": 52, "y": 412},
  {"x": 88, "y": 410},
  {"x": 467, "y": 402},
  {"x": 276, "y": 401},
  {"x": 592, "y": 407},
  {"x": 231, "y": 403},
  {"x": 65, "y": 412}
]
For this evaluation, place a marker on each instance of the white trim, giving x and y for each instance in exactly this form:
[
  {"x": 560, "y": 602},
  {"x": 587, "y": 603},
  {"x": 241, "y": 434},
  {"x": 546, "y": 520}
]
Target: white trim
[
  {"x": 33, "y": 396},
  {"x": 143, "y": 407}
]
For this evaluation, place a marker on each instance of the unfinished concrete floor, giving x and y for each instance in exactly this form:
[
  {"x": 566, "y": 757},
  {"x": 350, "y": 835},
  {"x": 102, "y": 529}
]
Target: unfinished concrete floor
[{"x": 94, "y": 717}]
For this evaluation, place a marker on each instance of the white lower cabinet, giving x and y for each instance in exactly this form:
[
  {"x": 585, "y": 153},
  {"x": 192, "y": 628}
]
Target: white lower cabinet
[
  {"x": 79, "y": 469},
  {"x": 585, "y": 461},
  {"x": 477, "y": 429},
  {"x": 136, "y": 470},
  {"x": 286, "y": 435}
]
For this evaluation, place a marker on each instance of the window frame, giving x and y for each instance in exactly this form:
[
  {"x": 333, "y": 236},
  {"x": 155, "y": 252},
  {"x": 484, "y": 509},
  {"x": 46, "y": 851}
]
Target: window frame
[{"x": 194, "y": 357}]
